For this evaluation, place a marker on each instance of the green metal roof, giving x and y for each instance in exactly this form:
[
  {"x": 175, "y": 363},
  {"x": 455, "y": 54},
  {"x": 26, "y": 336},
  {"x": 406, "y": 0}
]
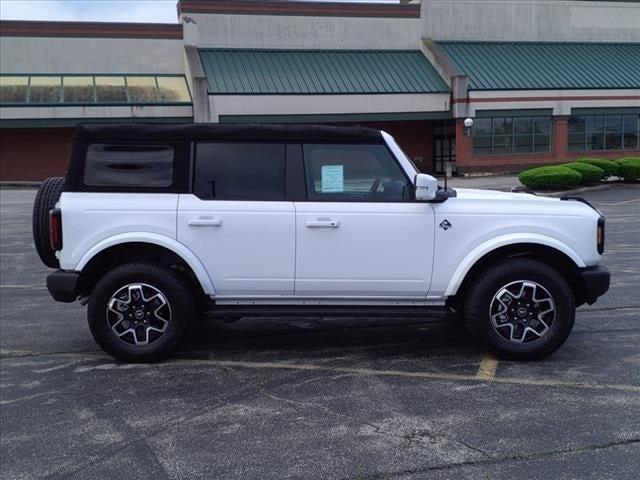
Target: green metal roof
[
  {"x": 538, "y": 65},
  {"x": 294, "y": 72}
]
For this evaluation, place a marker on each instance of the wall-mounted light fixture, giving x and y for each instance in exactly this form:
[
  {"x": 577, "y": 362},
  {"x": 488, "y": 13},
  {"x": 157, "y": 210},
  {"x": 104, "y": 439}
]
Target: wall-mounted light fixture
[{"x": 468, "y": 125}]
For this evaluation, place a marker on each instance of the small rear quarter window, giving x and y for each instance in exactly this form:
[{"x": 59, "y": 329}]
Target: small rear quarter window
[{"x": 148, "y": 166}]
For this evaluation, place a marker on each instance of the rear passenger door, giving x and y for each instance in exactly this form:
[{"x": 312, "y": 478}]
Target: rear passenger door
[{"x": 237, "y": 221}]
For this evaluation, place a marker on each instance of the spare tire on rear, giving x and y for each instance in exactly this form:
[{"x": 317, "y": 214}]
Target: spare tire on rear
[{"x": 46, "y": 199}]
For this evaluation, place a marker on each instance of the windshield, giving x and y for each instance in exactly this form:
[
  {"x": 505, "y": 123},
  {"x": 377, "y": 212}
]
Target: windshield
[
  {"x": 402, "y": 157},
  {"x": 409, "y": 158}
]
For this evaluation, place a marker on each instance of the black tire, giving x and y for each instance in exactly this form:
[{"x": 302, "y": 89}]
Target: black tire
[
  {"x": 46, "y": 199},
  {"x": 478, "y": 310},
  {"x": 176, "y": 291},
  {"x": 455, "y": 305}
]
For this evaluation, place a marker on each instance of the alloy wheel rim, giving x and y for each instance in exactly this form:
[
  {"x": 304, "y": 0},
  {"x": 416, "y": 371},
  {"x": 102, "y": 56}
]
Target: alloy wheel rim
[
  {"x": 138, "y": 314},
  {"x": 522, "y": 311}
]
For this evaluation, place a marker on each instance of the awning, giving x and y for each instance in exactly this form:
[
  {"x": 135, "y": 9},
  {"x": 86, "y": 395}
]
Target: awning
[
  {"x": 319, "y": 72},
  {"x": 540, "y": 65}
]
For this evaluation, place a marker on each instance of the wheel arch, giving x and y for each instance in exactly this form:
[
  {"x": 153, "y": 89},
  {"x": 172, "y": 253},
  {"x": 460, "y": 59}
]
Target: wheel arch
[
  {"x": 555, "y": 254},
  {"x": 122, "y": 248}
]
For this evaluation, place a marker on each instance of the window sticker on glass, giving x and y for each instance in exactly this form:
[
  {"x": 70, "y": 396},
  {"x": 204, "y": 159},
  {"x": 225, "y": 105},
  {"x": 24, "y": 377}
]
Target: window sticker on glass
[{"x": 332, "y": 178}]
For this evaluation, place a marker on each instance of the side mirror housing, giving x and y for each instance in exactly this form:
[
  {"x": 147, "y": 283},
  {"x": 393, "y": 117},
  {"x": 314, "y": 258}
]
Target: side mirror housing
[{"x": 426, "y": 187}]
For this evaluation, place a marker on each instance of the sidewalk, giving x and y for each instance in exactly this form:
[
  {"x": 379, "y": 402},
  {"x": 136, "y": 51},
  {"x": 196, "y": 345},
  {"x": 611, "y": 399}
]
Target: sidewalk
[
  {"x": 505, "y": 183},
  {"x": 499, "y": 182}
]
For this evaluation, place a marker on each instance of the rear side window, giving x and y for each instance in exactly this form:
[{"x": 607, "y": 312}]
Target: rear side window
[
  {"x": 239, "y": 171},
  {"x": 149, "y": 166},
  {"x": 358, "y": 173}
]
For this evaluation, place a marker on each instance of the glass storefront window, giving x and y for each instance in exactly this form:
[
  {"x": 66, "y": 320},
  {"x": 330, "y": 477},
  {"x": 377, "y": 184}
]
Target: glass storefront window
[
  {"x": 604, "y": 132},
  {"x": 613, "y": 132},
  {"x": 595, "y": 132},
  {"x": 502, "y": 135},
  {"x": 541, "y": 134},
  {"x": 577, "y": 133},
  {"x": 631, "y": 132},
  {"x": 482, "y": 136},
  {"x": 522, "y": 128},
  {"x": 517, "y": 134}
]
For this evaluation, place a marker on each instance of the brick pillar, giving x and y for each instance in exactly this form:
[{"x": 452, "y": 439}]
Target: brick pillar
[
  {"x": 561, "y": 138},
  {"x": 464, "y": 147}
]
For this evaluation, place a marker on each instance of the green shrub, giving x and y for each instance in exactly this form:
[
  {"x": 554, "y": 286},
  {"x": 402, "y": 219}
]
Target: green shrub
[
  {"x": 610, "y": 168},
  {"x": 554, "y": 177},
  {"x": 590, "y": 173},
  {"x": 629, "y": 168}
]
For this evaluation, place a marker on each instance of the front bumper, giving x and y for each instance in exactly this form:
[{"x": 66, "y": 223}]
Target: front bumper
[
  {"x": 63, "y": 286},
  {"x": 596, "y": 282}
]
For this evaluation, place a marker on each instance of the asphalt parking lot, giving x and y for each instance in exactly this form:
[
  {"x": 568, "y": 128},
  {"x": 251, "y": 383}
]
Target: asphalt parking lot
[{"x": 315, "y": 398}]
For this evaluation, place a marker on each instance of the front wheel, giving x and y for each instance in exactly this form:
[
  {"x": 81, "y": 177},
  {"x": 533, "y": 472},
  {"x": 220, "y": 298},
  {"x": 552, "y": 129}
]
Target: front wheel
[
  {"x": 520, "y": 309},
  {"x": 139, "y": 311}
]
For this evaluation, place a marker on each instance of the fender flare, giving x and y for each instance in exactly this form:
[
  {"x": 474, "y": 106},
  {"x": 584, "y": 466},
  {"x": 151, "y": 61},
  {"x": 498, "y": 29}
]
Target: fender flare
[
  {"x": 163, "y": 241},
  {"x": 502, "y": 241}
]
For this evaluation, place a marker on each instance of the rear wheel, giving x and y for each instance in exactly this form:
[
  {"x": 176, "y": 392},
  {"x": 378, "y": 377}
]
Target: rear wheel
[
  {"x": 520, "y": 309},
  {"x": 46, "y": 199},
  {"x": 139, "y": 311}
]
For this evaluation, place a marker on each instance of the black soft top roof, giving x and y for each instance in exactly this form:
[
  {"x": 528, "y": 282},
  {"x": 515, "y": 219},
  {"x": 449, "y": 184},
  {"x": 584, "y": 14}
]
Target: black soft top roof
[{"x": 217, "y": 131}]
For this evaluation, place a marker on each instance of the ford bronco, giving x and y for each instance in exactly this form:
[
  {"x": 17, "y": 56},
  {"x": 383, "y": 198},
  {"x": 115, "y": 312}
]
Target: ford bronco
[{"x": 156, "y": 225}]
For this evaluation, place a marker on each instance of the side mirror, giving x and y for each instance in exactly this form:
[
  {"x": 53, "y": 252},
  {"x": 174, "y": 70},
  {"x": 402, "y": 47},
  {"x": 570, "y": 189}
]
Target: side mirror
[{"x": 426, "y": 187}]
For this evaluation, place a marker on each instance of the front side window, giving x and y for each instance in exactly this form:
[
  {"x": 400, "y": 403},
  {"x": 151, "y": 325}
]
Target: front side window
[
  {"x": 149, "y": 166},
  {"x": 240, "y": 171},
  {"x": 604, "y": 132},
  {"x": 353, "y": 173},
  {"x": 503, "y": 135}
]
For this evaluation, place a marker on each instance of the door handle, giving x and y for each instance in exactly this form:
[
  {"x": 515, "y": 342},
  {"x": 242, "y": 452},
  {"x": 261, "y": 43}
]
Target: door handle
[
  {"x": 322, "y": 223},
  {"x": 205, "y": 222}
]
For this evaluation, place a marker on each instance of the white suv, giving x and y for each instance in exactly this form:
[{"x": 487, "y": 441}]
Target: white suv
[{"x": 156, "y": 225}]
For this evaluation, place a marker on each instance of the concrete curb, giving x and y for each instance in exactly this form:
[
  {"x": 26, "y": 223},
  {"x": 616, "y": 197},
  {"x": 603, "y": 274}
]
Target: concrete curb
[
  {"x": 25, "y": 185},
  {"x": 564, "y": 193}
]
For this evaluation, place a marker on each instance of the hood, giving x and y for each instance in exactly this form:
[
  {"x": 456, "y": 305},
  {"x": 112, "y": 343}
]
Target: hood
[
  {"x": 475, "y": 194},
  {"x": 479, "y": 201}
]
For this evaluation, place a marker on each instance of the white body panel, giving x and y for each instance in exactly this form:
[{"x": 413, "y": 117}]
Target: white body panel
[
  {"x": 483, "y": 221},
  {"x": 373, "y": 249},
  {"x": 358, "y": 253},
  {"x": 93, "y": 222},
  {"x": 162, "y": 241},
  {"x": 247, "y": 247},
  {"x": 90, "y": 218}
]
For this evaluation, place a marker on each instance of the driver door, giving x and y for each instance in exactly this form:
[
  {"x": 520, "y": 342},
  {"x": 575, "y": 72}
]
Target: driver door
[{"x": 360, "y": 234}]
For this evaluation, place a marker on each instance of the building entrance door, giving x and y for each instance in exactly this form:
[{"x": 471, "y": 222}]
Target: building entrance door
[{"x": 444, "y": 147}]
